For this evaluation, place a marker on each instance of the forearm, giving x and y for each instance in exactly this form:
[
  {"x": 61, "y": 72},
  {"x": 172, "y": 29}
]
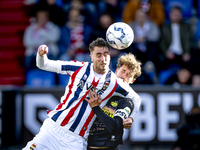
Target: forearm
[
  {"x": 45, "y": 64},
  {"x": 137, "y": 103},
  {"x": 111, "y": 124}
]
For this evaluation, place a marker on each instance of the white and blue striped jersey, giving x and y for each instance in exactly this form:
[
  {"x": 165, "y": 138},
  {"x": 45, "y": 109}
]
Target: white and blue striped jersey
[{"x": 74, "y": 113}]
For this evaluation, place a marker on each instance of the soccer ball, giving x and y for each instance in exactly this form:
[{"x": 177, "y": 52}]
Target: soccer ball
[{"x": 119, "y": 35}]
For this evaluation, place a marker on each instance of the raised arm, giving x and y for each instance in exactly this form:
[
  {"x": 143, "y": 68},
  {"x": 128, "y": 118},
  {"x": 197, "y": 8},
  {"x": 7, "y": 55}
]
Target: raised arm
[{"x": 62, "y": 67}]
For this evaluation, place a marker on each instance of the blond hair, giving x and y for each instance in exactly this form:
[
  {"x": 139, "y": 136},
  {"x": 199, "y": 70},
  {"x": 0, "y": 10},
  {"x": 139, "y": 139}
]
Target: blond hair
[{"x": 132, "y": 63}]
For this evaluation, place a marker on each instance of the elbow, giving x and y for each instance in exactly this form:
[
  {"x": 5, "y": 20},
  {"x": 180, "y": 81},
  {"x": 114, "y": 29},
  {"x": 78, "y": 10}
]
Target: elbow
[{"x": 114, "y": 128}]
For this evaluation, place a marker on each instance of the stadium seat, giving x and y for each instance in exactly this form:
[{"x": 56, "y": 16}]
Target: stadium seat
[
  {"x": 63, "y": 79},
  {"x": 152, "y": 76},
  {"x": 164, "y": 75},
  {"x": 14, "y": 17},
  {"x": 186, "y": 5},
  {"x": 10, "y": 41},
  {"x": 91, "y": 7},
  {"x": 40, "y": 78}
]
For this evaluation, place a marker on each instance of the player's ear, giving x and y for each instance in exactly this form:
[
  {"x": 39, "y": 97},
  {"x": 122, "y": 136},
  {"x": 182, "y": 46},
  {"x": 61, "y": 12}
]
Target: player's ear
[
  {"x": 91, "y": 57},
  {"x": 116, "y": 71}
]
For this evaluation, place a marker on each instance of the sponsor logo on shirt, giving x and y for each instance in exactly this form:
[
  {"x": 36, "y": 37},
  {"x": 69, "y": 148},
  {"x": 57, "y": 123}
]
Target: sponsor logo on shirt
[
  {"x": 108, "y": 111},
  {"x": 127, "y": 109},
  {"x": 121, "y": 113}
]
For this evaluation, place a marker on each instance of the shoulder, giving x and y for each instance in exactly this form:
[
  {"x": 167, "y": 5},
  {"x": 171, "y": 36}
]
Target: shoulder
[
  {"x": 123, "y": 102},
  {"x": 72, "y": 65},
  {"x": 122, "y": 85},
  {"x": 124, "y": 107},
  {"x": 135, "y": 2},
  {"x": 111, "y": 75},
  {"x": 198, "y": 24},
  {"x": 167, "y": 26},
  {"x": 64, "y": 28},
  {"x": 185, "y": 25},
  {"x": 123, "y": 88},
  {"x": 86, "y": 26},
  {"x": 52, "y": 25},
  {"x": 31, "y": 26},
  {"x": 133, "y": 24},
  {"x": 152, "y": 24}
]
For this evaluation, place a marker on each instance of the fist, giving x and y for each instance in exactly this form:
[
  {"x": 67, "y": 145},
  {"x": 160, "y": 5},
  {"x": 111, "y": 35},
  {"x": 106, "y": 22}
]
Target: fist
[
  {"x": 43, "y": 49},
  {"x": 128, "y": 123}
]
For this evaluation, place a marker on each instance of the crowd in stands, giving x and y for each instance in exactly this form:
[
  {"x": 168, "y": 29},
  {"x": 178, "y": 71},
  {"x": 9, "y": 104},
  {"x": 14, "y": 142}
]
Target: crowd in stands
[{"x": 166, "y": 34}]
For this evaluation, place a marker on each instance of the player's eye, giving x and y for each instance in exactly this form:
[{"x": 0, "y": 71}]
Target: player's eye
[
  {"x": 123, "y": 71},
  {"x": 105, "y": 54},
  {"x": 98, "y": 55},
  {"x": 128, "y": 75}
]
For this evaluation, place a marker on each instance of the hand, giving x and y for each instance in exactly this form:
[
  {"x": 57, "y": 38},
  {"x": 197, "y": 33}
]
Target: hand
[
  {"x": 169, "y": 55},
  {"x": 43, "y": 49},
  {"x": 38, "y": 27},
  {"x": 177, "y": 148},
  {"x": 128, "y": 123},
  {"x": 95, "y": 100},
  {"x": 186, "y": 57}
]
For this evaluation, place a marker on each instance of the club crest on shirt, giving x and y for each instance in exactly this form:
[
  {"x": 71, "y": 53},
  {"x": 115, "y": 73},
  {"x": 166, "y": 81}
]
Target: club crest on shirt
[
  {"x": 33, "y": 146},
  {"x": 106, "y": 84},
  {"x": 114, "y": 104}
]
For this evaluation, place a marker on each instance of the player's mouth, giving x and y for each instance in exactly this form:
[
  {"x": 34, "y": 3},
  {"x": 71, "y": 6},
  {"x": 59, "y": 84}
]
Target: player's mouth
[{"x": 103, "y": 65}]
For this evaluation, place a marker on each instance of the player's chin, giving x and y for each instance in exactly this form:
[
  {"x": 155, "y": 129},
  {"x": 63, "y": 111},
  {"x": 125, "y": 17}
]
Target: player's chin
[{"x": 103, "y": 69}]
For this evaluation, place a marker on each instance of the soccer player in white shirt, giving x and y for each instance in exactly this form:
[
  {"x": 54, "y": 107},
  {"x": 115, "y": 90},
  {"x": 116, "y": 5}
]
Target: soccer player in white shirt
[{"x": 67, "y": 126}]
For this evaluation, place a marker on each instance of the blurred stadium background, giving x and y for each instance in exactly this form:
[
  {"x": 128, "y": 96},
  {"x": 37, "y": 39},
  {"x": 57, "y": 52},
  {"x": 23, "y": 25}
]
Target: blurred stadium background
[{"x": 26, "y": 95}]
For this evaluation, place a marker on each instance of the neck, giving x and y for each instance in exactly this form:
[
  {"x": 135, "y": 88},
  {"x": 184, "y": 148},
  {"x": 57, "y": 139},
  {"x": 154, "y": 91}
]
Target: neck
[
  {"x": 141, "y": 24},
  {"x": 100, "y": 72},
  {"x": 175, "y": 22}
]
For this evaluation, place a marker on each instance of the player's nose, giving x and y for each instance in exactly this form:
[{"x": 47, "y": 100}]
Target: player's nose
[
  {"x": 123, "y": 75},
  {"x": 103, "y": 58}
]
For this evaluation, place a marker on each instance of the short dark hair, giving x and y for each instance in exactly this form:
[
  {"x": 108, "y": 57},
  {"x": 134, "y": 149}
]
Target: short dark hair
[{"x": 99, "y": 42}]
